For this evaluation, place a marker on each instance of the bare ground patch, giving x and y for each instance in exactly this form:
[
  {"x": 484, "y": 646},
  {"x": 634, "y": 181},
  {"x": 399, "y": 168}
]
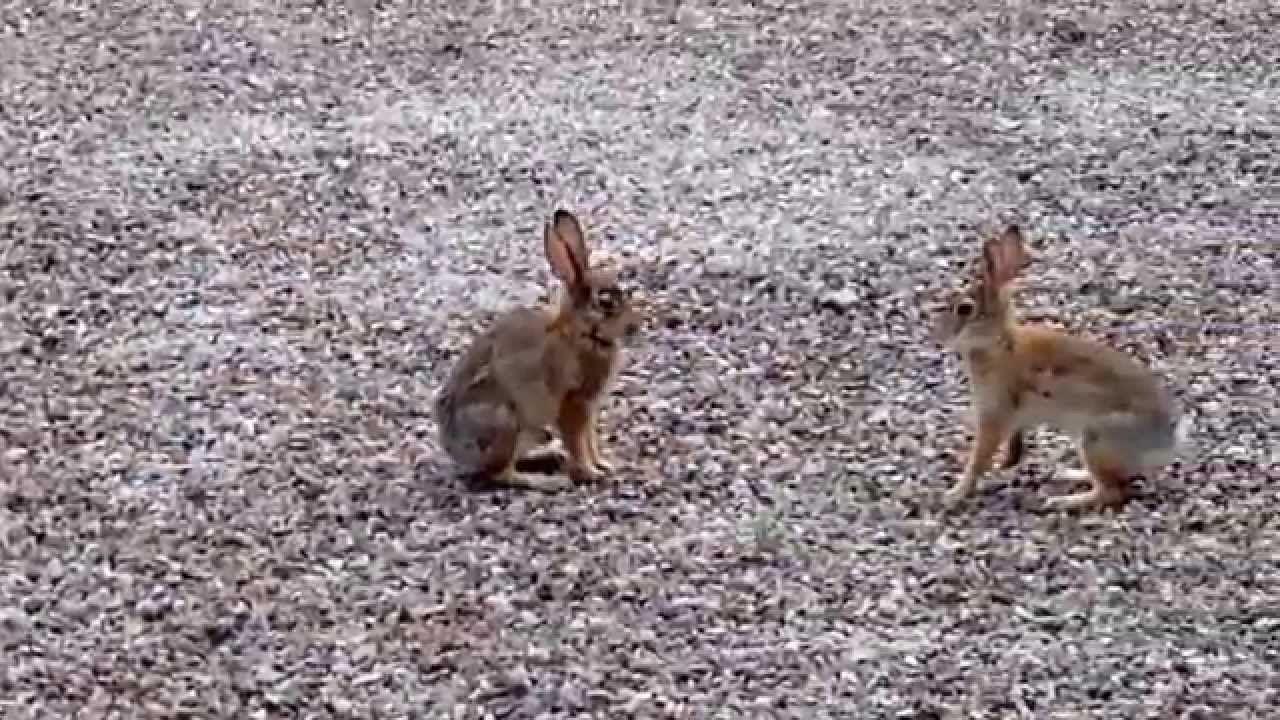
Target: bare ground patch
[{"x": 241, "y": 247}]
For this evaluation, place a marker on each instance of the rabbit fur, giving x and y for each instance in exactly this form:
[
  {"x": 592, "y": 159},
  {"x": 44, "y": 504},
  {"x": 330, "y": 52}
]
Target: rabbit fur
[
  {"x": 541, "y": 370},
  {"x": 1124, "y": 420}
]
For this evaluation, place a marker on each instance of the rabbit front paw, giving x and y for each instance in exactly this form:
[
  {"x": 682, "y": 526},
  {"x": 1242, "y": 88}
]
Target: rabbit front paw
[{"x": 962, "y": 489}]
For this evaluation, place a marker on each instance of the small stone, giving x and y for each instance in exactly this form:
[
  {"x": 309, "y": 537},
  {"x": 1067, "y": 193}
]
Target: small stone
[{"x": 840, "y": 300}]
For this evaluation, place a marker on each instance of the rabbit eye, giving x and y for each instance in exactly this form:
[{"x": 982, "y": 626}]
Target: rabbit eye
[
  {"x": 964, "y": 309},
  {"x": 608, "y": 299}
]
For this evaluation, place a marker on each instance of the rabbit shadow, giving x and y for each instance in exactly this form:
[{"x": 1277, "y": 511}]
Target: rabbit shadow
[{"x": 542, "y": 462}]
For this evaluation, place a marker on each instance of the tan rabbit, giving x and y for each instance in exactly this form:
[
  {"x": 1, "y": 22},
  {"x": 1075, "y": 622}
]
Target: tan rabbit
[
  {"x": 541, "y": 369},
  {"x": 1124, "y": 420}
]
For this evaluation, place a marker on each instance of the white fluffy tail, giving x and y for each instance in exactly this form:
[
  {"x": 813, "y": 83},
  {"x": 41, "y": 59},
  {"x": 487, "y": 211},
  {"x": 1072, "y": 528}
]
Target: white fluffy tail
[
  {"x": 1185, "y": 443},
  {"x": 1182, "y": 446}
]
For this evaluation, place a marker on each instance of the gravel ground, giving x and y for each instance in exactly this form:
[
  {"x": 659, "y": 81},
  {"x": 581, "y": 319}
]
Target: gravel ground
[{"x": 242, "y": 244}]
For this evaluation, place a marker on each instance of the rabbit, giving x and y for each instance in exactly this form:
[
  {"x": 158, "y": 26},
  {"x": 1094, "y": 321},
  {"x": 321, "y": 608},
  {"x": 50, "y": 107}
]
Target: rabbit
[
  {"x": 1124, "y": 420},
  {"x": 540, "y": 370}
]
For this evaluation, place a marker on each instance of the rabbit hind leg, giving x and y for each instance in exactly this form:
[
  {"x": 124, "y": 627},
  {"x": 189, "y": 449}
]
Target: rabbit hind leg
[
  {"x": 1108, "y": 472},
  {"x": 486, "y": 438}
]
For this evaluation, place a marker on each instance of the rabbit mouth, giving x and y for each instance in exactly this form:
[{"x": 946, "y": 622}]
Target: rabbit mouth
[
  {"x": 601, "y": 342},
  {"x": 631, "y": 330},
  {"x": 606, "y": 339},
  {"x": 609, "y": 337}
]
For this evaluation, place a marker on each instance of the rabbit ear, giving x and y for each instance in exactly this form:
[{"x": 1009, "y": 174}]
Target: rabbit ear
[
  {"x": 566, "y": 249},
  {"x": 1003, "y": 257}
]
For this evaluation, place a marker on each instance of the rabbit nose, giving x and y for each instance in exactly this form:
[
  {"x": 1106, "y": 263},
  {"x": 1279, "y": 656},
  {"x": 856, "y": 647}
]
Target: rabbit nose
[{"x": 940, "y": 331}]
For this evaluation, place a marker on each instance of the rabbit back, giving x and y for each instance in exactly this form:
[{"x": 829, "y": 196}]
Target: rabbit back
[{"x": 1092, "y": 391}]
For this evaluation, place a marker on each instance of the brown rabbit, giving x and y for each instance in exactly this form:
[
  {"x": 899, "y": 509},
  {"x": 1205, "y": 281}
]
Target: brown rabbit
[
  {"x": 1124, "y": 420},
  {"x": 539, "y": 369}
]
